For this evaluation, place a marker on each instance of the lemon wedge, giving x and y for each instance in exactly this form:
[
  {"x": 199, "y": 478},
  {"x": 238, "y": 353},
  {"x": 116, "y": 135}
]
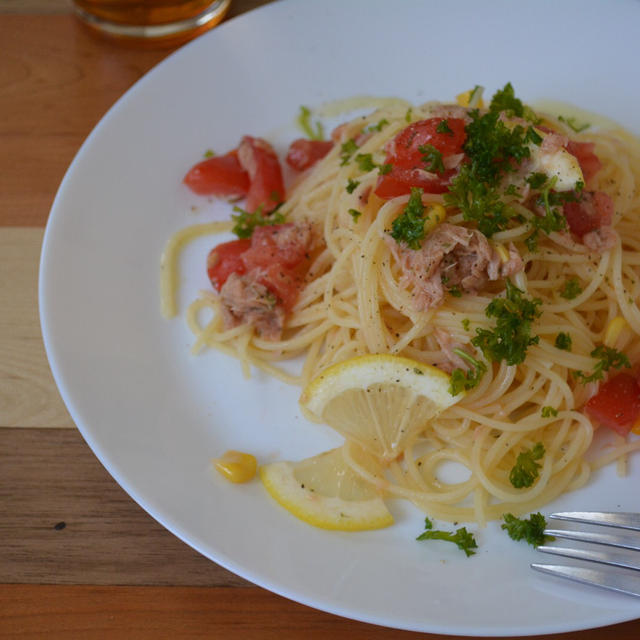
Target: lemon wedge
[
  {"x": 325, "y": 492},
  {"x": 378, "y": 401}
]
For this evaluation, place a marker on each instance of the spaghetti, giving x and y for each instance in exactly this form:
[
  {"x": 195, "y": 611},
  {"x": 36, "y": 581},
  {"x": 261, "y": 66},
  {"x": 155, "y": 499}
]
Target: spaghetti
[{"x": 359, "y": 298}]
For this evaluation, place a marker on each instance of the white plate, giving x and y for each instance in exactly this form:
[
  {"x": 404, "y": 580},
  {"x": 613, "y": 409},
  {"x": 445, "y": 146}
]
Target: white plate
[{"x": 154, "y": 415}]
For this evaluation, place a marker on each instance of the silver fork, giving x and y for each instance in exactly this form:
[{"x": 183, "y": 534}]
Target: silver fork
[{"x": 622, "y": 568}]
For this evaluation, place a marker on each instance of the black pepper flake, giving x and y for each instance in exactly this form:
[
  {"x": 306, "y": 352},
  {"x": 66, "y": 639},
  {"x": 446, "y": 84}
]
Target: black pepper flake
[{"x": 60, "y": 526}]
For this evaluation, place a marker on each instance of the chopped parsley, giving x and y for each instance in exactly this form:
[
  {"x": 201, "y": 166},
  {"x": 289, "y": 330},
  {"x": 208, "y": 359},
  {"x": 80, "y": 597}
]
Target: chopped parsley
[
  {"x": 347, "y": 149},
  {"x": 531, "y": 241},
  {"x": 462, "y": 380},
  {"x": 246, "y": 222},
  {"x": 466, "y": 323},
  {"x": 511, "y": 336},
  {"x": 408, "y": 227},
  {"x": 531, "y": 530},
  {"x": 549, "y": 412},
  {"x": 443, "y": 127},
  {"x": 408, "y": 115},
  {"x": 572, "y": 289},
  {"x": 351, "y": 185},
  {"x": 525, "y": 470},
  {"x": 572, "y": 123},
  {"x": 355, "y": 214},
  {"x": 494, "y": 149},
  {"x": 432, "y": 158},
  {"x": 478, "y": 201},
  {"x": 549, "y": 200},
  {"x": 537, "y": 180},
  {"x": 365, "y": 161},
  {"x": 505, "y": 100},
  {"x": 608, "y": 358},
  {"x": 304, "y": 122},
  {"x": 209, "y": 153},
  {"x": 376, "y": 127},
  {"x": 563, "y": 341},
  {"x": 461, "y": 538}
]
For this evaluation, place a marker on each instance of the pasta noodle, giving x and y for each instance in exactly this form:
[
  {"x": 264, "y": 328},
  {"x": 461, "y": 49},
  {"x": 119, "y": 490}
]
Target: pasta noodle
[{"x": 357, "y": 300}]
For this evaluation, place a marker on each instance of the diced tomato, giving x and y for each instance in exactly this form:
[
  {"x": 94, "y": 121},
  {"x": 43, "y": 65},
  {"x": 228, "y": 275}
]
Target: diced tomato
[
  {"x": 588, "y": 160},
  {"x": 284, "y": 283},
  {"x": 275, "y": 244},
  {"x": 266, "y": 186},
  {"x": 305, "y": 153},
  {"x": 594, "y": 210},
  {"x": 404, "y": 149},
  {"x": 406, "y": 159},
  {"x": 278, "y": 253},
  {"x": 617, "y": 403},
  {"x": 221, "y": 176},
  {"x": 399, "y": 181},
  {"x": 226, "y": 259}
]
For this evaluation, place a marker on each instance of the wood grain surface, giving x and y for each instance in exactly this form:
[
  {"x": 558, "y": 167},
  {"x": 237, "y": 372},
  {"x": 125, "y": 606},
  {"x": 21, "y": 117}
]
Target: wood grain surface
[{"x": 79, "y": 558}]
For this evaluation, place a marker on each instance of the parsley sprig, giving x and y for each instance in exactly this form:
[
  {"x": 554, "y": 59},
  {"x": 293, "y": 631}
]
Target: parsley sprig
[
  {"x": 608, "y": 358},
  {"x": 408, "y": 227},
  {"x": 432, "y": 158},
  {"x": 494, "y": 149},
  {"x": 571, "y": 289},
  {"x": 461, "y": 538},
  {"x": 347, "y": 149},
  {"x": 573, "y": 124},
  {"x": 304, "y": 122},
  {"x": 531, "y": 530},
  {"x": 462, "y": 380},
  {"x": 563, "y": 341},
  {"x": 245, "y": 222},
  {"x": 525, "y": 471},
  {"x": 505, "y": 100},
  {"x": 511, "y": 336}
]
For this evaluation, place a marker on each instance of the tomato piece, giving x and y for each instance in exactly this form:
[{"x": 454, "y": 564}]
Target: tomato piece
[
  {"x": 280, "y": 244},
  {"x": 399, "y": 181},
  {"x": 284, "y": 283},
  {"x": 226, "y": 259},
  {"x": 404, "y": 149},
  {"x": 594, "y": 210},
  {"x": 221, "y": 176},
  {"x": 617, "y": 403},
  {"x": 588, "y": 160},
  {"x": 408, "y": 166},
  {"x": 266, "y": 186},
  {"x": 305, "y": 153}
]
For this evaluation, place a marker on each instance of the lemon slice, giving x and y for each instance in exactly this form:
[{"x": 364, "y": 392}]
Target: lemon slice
[
  {"x": 325, "y": 492},
  {"x": 378, "y": 401}
]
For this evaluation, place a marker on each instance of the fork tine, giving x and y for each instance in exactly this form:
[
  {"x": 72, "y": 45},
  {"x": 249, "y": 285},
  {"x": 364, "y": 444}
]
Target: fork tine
[
  {"x": 624, "y": 582},
  {"x": 622, "y": 520},
  {"x": 625, "y": 541},
  {"x": 602, "y": 557}
]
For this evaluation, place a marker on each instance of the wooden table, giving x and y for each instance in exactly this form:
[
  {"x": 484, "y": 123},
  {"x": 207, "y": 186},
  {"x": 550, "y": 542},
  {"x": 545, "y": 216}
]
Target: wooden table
[{"x": 78, "y": 558}]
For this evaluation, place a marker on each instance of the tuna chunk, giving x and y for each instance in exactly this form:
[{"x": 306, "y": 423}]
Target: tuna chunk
[
  {"x": 246, "y": 301},
  {"x": 451, "y": 257}
]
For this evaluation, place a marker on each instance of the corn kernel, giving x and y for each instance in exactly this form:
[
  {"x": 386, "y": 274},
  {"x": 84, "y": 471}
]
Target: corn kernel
[
  {"x": 435, "y": 214},
  {"x": 613, "y": 331},
  {"x": 464, "y": 99},
  {"x": 502, "y": 251},
  {"x": 236, "y": 466}
]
